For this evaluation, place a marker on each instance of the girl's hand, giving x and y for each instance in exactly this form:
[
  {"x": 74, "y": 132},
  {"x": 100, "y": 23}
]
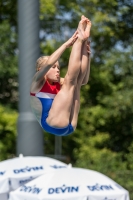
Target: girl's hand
[{"x": 71, "y": 41}]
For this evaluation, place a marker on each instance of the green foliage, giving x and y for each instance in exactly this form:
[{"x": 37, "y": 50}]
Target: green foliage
[
  {"x": 94, "y": 154},
  {"x": 47, "y": 8},
  {"x": 7, "y": 133},
  {"x": 8, "y": 66},
  {"x": 8, "y": 11}
]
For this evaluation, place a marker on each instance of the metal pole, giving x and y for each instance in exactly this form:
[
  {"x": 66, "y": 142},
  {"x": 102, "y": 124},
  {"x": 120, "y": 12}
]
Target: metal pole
[
  {"x": 30, "y": 135},
  {"x": 58, "y": 146}
]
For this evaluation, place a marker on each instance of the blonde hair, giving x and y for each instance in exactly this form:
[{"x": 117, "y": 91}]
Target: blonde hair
[{"x": 41, "y": 60}]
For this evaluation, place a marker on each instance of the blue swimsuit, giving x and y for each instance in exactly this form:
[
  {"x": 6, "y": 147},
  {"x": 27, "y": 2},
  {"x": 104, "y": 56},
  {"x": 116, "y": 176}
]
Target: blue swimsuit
[{"x": 46, "y": 96}]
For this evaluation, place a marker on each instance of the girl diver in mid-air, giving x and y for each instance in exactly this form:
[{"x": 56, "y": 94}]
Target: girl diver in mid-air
[{"x": 55, "y": 101}]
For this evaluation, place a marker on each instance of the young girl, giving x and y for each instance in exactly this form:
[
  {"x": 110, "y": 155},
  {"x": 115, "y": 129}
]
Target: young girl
[{"x": 55, "y": 101}]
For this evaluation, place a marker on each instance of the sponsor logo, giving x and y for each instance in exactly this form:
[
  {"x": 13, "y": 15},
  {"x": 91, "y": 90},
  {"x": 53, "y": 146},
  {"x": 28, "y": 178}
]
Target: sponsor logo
[
  {"x": 99, "y": 187},
  {"x": 63, "y": 189},
  {"x": 28, "y": 169},
  {"x": 30, "y": 189},
  {"x": 24, "y": 181},
  {"x": 56, "y": 166},
  {"x": 2, "y": 173}
]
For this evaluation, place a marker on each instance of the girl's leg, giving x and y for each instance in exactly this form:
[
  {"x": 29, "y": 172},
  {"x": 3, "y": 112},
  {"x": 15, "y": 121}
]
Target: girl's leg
[
  {"x": 82, "y": 79},
  {"x": 59, "y": 115},
  {"x": 86, "y": 53},
  {"x": 86, "y": 61}
]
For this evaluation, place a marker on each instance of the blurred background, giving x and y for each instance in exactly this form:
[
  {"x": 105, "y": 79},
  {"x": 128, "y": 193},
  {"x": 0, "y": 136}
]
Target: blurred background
[{"x": 103, "y": 140}]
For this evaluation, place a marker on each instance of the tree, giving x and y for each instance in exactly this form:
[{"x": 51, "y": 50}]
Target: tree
[
  {"x": 8, "y": 52},
  {"x": 7, "y": 133}
]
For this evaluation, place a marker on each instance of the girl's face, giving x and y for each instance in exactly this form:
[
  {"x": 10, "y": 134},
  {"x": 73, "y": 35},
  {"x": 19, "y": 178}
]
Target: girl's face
[{"x": 53, "y": 75}]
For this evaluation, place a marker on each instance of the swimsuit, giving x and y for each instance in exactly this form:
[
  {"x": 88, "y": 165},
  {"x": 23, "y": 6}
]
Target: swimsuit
[{"x": 46, "y": 96}]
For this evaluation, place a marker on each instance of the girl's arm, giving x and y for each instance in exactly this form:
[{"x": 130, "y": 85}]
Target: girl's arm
[{"x": 54, "y": 58}]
